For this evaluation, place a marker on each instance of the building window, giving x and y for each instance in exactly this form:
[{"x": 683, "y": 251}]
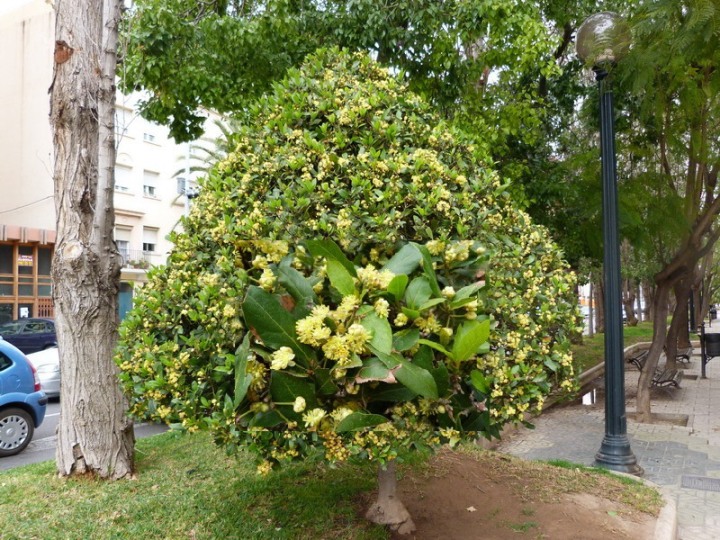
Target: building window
[
  {"x": 149, "y": 239},
  {"x": 148, "y": 137},
  {"x": 123, "y": 178},
  {"x": 150, "y": 183}
]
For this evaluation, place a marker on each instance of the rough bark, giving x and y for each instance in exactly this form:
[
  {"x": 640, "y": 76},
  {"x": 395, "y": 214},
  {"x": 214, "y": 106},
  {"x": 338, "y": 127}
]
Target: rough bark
[
  {"x": 628, "y": 300},
  {"x": 94, "y": 435},
  {"x": 660, "y": 312},
  {"x": 388, "y": 509}
]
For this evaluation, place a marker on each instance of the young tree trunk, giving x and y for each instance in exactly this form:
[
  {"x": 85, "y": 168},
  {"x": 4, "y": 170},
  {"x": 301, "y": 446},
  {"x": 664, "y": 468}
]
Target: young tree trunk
[
  {"x": 628, "y": 301},
  {"x": 591, "y": 314},
  {"x": 600, "y": 308},
  {"x": 649, "y": 297},
  {"x": 388, "y": 509},
  {"x": 94, "y": 435},
  {"x": 659, "y": 317}
]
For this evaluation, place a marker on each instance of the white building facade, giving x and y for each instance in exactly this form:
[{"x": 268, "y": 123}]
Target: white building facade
[{"x": 149, "y": 194}]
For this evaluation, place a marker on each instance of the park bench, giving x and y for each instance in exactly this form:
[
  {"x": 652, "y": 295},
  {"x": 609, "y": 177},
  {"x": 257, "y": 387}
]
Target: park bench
[
  {"x": 663, "y": 377},
  {"x": 683, "y": 355}
]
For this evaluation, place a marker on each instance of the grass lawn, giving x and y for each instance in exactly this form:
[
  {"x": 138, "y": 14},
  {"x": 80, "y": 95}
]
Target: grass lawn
[
  {"x": 188, "y": 488},
  {"x": 592, "y": 350}
]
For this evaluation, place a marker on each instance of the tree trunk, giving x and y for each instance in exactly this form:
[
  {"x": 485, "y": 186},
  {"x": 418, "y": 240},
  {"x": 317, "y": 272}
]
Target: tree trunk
[
  {"x": 649, "y": 297},
  {"x": 659, "y": 317},
  {"x": 388, "y": 509},
  {"x": 94, "y": 435},
  {"x": 628, "y": 301},
  {"x": 600, "y": 308},
  {"x": 591, "y": 314}
]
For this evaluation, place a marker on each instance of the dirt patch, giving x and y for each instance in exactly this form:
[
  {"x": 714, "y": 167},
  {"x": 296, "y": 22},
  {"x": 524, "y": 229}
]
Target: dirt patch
[{"x": 488, "y": 495}]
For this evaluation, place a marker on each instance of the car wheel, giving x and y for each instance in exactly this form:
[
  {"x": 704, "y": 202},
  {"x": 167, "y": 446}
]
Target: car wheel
[{"x": 16, "y": 431}]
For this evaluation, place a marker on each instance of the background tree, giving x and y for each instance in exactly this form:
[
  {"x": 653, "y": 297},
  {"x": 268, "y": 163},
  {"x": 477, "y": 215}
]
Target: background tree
[
  {"x": 672, "y": 81},
  {"x": 94, "y": 435}
]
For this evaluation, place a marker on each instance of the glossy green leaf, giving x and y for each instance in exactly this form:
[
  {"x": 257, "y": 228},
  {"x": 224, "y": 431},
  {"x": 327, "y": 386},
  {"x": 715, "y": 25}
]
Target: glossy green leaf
[
  {"x": 242, "y": 377},
  {"x": 397, "y": 286},
  {"x": 418, "y": 292},
  {"x": 405, "y": 339},
  {"x": 428, "y": 269},
  {"x": 417, "y": 379},
  {"x": 357, "y": 421},
  {"x": 340, "y": 278},
  {"x": 435, "y": 345},
  {"x": 382, "y": 338},
  {"x": 479, "y": 381},
  {"x": 274, "y": 324},
  {"x": 332, "y": 252},
  {"x": 468, "y": 339},
  {"x": 404, "y": 261}
]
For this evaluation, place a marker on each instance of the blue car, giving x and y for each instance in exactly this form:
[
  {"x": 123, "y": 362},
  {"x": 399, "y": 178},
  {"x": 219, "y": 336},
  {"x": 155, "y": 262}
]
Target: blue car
[{"x": 22, "y": 402}]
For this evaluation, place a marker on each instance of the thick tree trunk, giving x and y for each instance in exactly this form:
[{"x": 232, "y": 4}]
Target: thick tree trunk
[
  {"x": 388, "y": 509},
  {"x": 94, "y": 435},
  {"x": 644, "y": 413}
]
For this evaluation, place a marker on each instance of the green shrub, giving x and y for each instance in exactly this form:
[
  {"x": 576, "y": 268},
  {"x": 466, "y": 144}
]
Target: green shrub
[{"x": 339, "y": 174}]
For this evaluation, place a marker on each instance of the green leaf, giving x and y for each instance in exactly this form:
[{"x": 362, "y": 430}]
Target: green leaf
[
  {"x": 381, "y": 331},
  {"x": 418, "y": 292},
  {"x": 417, "y": 379},
  {"x": 374, "y": 370},
  {"x": 242, "y": 377},
  {"x": 427, "y": 265},
  {"x": 357, "y": 421},
  {"x": 404, "y": 261},
  {"x": 274, "y": 324},
  {"x": 405, "y": 339},
  {"x": 468, "y": 291},
  {"x": 394, "y": 393},
  {"x": 468, "y": 339},
  {"x": 390, "y": 361},
  {"x": 435, "y": 345},
  {"x": 267, "y": 419},
  {"x": 332, "y": 252},
  {"x": 340, "y": 278},
  {"x": 324, "y": 382},
  {"x": 285, "y": 387},
  {"x": 430, "y": 303},
  {"x": 298, "y": 287},
  {"x": 397, "y": 286},
  {"x": 479, "y": 381}
]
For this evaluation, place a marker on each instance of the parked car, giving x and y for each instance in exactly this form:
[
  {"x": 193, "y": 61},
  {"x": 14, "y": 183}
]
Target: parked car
[
  {"x": 22, "y": 401},
  {"x": 47, "y": 364},
  {"x": 30, "y": 335}
]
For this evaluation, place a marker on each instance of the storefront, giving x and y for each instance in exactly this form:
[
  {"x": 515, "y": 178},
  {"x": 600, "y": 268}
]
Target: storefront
[{"x": 25, "y": 281}]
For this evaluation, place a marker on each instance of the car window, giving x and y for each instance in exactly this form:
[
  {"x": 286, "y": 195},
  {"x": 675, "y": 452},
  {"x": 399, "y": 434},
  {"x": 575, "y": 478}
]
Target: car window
[
  {"x": 34, "y": 328},
  {"x": 5, "y": 362},
  {"x": 10, "y": 328}
]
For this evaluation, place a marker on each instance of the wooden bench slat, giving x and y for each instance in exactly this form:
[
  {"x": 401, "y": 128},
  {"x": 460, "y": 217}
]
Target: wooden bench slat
[{"x": 662, "y": 377}]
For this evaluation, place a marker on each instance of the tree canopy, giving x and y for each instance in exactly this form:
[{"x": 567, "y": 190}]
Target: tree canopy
[{"x": 338, "y": 277}]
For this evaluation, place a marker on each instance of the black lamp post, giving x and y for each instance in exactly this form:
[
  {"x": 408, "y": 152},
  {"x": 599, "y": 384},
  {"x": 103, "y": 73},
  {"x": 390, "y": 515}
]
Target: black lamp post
[{"x": 601, "y": 41}]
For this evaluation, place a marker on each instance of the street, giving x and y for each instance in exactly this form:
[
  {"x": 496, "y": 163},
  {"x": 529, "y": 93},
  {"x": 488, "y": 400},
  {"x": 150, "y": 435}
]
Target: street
[{"x": 42, "y": 447}]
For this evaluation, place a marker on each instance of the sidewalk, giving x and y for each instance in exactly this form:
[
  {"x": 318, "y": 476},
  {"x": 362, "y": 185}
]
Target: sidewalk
[{"x": 683, "y": 459}]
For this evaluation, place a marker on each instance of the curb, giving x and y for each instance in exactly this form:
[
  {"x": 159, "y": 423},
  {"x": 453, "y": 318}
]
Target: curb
[{"x": 666, "y": 526}]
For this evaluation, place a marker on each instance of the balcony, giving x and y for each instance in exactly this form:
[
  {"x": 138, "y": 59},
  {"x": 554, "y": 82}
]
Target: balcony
[{"x": 135, "y": 258}]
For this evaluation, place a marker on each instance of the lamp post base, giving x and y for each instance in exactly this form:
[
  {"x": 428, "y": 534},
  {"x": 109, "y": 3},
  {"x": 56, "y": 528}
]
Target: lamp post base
[{"x": 615, "y": 454}]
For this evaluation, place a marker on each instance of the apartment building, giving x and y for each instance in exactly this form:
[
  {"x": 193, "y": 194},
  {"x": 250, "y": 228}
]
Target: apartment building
[{"x": 149, "y": 194}]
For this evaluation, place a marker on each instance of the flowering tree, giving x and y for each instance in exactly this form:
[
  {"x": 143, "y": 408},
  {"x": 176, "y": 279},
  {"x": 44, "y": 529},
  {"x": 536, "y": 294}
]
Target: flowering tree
[{"x": 352, "y": 278}]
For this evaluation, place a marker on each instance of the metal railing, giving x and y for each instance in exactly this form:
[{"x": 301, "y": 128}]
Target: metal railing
[{"x": 136, "y": 258}]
